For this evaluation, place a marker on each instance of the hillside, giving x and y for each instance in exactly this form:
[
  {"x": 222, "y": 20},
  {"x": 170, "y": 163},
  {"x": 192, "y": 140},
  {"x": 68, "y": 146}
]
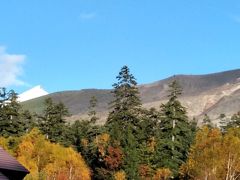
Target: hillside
[{"x": 211, "y": 93}]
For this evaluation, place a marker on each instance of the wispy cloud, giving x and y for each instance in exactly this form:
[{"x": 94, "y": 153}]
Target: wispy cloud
[
  {"x": 87, "y": 15},
  {"x": 11, "y": 68}
]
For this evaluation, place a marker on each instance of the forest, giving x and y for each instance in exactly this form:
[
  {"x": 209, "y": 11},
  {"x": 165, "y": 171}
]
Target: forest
[{"x": 135, "y": 143}]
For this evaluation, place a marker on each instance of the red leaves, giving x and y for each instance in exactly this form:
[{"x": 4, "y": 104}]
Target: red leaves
[
  {"x": 114, "y": 158},
  {"x": 145, "y": 171}
]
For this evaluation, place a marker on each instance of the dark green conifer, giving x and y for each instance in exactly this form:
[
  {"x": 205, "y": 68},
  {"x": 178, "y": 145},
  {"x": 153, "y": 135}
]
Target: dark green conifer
[
  {"x": 52, "y": 122},
  {"x": 92, "y": 109},
  {"x": 11, "y": 123},
  {"x": 123, "y": 122},
  {"x": 176, "y": 131},
  {"x": 223, "y": 122},
  {"x": 126, "y": 103}
]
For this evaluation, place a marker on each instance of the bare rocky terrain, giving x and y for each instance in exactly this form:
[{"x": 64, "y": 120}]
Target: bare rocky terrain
[{"x": 212, "y": 94}]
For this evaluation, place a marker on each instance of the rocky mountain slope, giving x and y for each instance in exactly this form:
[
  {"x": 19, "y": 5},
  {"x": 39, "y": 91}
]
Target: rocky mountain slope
[{"x": 212, "y": 94}]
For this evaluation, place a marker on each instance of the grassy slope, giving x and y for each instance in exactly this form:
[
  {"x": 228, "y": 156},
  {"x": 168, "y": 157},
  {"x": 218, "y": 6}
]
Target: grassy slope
[{"x": 35, "y": 105}]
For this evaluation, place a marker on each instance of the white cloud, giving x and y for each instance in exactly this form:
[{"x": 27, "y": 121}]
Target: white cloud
[
  {"x": 10, "y": 68},
  {"x": 87, "y": 15}
]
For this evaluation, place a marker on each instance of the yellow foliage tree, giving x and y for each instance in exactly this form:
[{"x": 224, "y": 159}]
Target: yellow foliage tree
[
  {"x": 231, "y": 155},
  {"x": 101, "y": 141},
  {"x": 50, "y": 161},
  {"x": 4, "y": 143},
  {"x": 9, "y": 144},
  {"x": 162, "y": 174},
  {"x": 203, "y": 160},
  {"x": 120, "y": 175},
  {"x": 214, "y": 156}
]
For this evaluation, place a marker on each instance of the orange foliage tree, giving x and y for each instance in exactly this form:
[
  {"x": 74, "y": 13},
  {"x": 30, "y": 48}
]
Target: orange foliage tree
[
  {"x": 50, "y": 161},
  {"x": 114, "y": 158},
  {"x": 162, "y": 174}
]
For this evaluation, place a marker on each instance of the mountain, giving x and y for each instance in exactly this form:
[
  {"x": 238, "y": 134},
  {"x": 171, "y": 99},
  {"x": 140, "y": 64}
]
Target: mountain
[
  {"x": 213, "y": 94},
  {"x": 32, "y": 93}
]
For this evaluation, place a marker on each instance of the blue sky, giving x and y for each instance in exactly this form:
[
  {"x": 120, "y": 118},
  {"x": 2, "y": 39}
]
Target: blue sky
[{"x": 78, "y": 44}]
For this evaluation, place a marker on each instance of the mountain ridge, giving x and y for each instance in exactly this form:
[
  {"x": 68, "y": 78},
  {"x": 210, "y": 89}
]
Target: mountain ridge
[{"x": 201, "y": 94}]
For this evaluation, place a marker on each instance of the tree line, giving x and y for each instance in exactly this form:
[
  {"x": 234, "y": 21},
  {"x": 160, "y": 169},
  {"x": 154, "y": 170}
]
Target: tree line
[{"x": 134, "y": 143}]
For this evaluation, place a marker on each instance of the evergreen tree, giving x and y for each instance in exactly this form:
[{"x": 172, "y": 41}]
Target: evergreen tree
[
  {"x": 52, "y": 123},
  {"x": 11, "y": 123},
  {"x": 79, "y": 130},
  {"x": 131, "y": 149},
  {"x": 28, "y": 119},
  {"x": 123, "y": 122},
  {"x": 194, "y": 125},
  {"x": 176, "y": 131},
  {"x": 84, "y": 129},
  {"x": 150, "y": 120},
  {"x": 126, "y": 98},
  {"x": 223, "y": 122},
  {"x": 92, "y": 109},
  {"x": 207, "y": 121},
  {"x": 234, "y": 121}
]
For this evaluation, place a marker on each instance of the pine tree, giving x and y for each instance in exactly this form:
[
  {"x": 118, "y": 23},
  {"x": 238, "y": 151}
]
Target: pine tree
[{"x": 176, "y": 131}]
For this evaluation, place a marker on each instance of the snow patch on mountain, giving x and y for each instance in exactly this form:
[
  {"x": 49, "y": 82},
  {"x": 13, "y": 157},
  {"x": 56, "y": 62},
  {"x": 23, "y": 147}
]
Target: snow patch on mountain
[{"x": 33, "y": 93}]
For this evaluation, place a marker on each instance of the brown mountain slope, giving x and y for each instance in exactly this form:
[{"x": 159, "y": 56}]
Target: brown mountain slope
[{"x": 212, "y": 93}]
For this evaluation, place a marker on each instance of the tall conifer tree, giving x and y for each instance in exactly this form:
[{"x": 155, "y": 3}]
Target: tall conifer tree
[
  {"x": 126, "y": 104},
  {"x": 52, "y": 123},
  {"x": 176, "y": 135},
  {"x": 92, "y": 109},
  {"x": 123, "y": 121},
  {"x": 11, "y": 122}
]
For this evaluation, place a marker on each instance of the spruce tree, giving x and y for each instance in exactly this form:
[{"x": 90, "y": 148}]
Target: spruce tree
[
  {"x": 123, "y": 122},
  {"x": 92, "y": 109},
  {"x": 176, "y": 131},
  {"x": 11, "y": 123},
  {"x": 223, "y": 122},
  {"x": 29, "y": 120},
  {"x": 126, "y": 101},
  {"x": 52, "y": 123}
]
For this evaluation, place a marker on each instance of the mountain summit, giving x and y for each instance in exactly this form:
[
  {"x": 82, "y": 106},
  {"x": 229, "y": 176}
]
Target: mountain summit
[
  {"x": 212, "y": 94},
  {"x": 33, "y": 93}
]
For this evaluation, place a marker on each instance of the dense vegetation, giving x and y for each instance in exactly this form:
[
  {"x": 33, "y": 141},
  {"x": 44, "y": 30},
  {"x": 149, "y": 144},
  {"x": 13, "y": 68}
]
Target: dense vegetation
[{"x": 134, "y": 143}]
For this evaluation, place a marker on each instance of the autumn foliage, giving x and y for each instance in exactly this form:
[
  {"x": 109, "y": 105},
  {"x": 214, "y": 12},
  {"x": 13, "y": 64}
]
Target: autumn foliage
[
  {"x": 214, "y": 155},
  {"x": 162, "y": 174},
  {"x": 134, "y": 143},
  {"x": 120, "y": 175},
  {"x": 46, "y": 160},
  {"x": 145, "y": 172},
  {"x": 114, "y": 158}
]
